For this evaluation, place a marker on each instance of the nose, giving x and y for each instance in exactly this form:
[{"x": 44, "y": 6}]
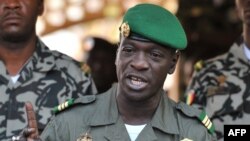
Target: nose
[
  {"x": 140, "y": 62},
  {"x": 12, "y": 4}
]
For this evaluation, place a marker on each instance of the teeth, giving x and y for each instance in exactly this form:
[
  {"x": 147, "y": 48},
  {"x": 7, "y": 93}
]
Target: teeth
[
  {"x": 136, "y": 79},
  {"x": 136, "y": 82}
]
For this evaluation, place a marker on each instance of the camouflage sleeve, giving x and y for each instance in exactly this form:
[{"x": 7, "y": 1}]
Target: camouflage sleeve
[
  {"x": 86, "y": 69},
  {"x": 195, "y": 94},
  {"x": 83, "y": 80}
]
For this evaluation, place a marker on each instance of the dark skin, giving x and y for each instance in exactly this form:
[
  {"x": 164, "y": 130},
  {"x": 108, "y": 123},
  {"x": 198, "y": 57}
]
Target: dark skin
[
  {"x": 242, "y": 7},
  {"x": 141, "y": 69},
  {"x": 101, "y": 60},
  {"x": 17, "y": 32},
  {"x": 18, "y": 41},
  {"x": 32, "y": 131}
]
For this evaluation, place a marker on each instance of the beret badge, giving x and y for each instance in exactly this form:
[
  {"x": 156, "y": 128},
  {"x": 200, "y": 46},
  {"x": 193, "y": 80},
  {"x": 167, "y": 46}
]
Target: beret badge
[{"x": 125, "y": 30}]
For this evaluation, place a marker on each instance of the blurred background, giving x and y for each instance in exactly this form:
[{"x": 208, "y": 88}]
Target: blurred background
[{"x": 70, "y": 26}]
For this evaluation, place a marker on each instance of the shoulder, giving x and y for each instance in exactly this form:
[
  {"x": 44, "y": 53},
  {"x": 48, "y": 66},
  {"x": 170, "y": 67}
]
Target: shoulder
[
  {"x": 72, "y": 104},
  {"x": 193, "y": 117},
  {"x": 86, "y": 101},
  {"x": 209, "y": 64},
  {"x": 60, "y": 57},
  {"x": 65, "y": 61},
  {"x": 67, "y": 116}
]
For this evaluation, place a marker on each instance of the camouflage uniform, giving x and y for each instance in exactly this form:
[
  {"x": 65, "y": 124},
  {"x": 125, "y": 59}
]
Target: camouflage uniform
[
  {"x": 221, "y": 87},
  {"x": 47, "y": 79},
  {"x": 98, "y": 118}
]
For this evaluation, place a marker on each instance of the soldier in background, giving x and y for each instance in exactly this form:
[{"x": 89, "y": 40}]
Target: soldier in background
[
  {"x": 29, "y": 71},
  {"x": 136, "y": 108},
  {"x": 101, "y": 60},
  {"x": 220, "y": 85}
]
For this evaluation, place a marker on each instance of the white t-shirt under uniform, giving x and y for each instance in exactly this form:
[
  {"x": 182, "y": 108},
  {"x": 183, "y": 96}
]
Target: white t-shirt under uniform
[{"x": 134, "y": 130}]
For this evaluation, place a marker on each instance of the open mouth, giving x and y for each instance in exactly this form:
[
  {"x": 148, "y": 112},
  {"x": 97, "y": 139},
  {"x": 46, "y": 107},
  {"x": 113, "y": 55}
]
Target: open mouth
[{"x": 137, "y": 82}]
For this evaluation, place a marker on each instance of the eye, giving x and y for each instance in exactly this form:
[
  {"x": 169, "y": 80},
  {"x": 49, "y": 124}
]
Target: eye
[
  {"x": 156, "y": 54},
  {"x": 127, "y": 49}
]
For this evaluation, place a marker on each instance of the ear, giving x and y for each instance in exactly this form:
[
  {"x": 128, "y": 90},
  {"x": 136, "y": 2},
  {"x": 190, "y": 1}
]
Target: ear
[{"x": 174, "y": 62}]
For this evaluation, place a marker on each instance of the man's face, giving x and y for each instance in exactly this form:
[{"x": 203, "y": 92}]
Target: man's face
[
  {"x": 18, "y": 19},
  {"x": 243, "y": 8},
  {"x": 142, "y": 68},
  {"x": 102, "y": 68}
]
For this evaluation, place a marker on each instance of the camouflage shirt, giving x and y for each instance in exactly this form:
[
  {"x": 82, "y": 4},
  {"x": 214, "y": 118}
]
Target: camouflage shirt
[
  {"x": 47, "y": 79},
  {"x": 220, "y": 86}
]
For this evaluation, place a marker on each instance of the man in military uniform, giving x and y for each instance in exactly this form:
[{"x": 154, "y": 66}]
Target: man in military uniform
[
  {"x": 221, "y": 85},
  {"x": 29, "y": 71},
  {"x": 136, "y": 108}
]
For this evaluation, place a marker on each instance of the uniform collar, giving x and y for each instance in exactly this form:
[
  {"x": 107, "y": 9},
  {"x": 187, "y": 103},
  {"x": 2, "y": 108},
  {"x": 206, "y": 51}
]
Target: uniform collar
[
  {"x": 237, "y": 50},
  {"x": 106, "y": 111},
  {"x": 3, "y": 73},
  {"x": 165, "y": 118},
  {"x": 42, "y": 60}
]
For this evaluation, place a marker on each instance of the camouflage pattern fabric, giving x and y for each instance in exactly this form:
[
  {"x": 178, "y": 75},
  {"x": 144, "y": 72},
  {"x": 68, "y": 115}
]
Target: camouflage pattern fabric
[
  {"x": 47, "y": 79},
  {"x": 221, "y": 87}
]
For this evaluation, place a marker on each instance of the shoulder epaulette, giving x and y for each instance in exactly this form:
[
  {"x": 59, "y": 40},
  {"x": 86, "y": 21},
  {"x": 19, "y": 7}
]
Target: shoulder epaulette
[
  {"x": 69, "y": 103},
  {"x": 206, "y": 122},
  {"x": 63, "y": 106},
  {"x": 201, "y": 115},
  {"x": 199, "y": 65}
]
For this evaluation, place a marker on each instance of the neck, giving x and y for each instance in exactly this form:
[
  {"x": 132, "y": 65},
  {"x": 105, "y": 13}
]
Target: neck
[
  {"x": 15, "y": 55},
  {"x": 137, "y": 112}
]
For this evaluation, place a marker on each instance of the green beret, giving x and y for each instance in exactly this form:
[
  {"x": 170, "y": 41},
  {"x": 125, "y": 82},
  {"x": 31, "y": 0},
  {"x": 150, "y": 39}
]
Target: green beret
[{"x": 154, "y": 23}]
